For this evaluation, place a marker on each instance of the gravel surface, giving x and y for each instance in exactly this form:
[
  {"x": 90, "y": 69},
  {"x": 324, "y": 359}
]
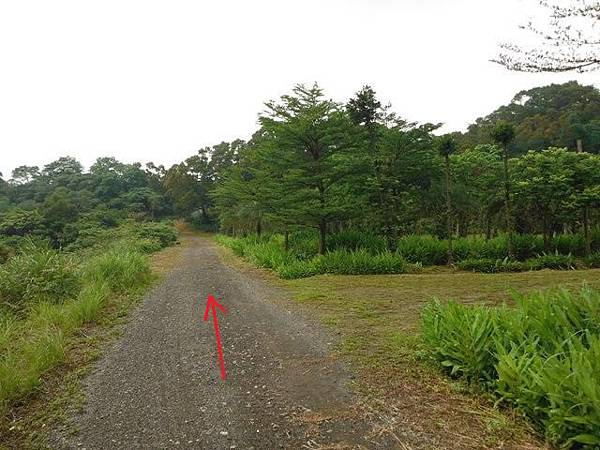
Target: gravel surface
[{"x": 159, "y": 386}]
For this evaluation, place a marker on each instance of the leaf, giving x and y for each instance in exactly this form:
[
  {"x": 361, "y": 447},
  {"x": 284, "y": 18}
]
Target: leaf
[{"x": 586, "y": 439}]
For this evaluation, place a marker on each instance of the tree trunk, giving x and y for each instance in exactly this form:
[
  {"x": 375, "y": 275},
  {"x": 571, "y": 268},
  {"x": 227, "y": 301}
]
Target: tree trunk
[
  {"x": 449, "y": 212},
  {"x": 322, "y": 236},
  {"x": 488, "y": 227},
  {"x": 258, "y": 227},
  {"x": 286, "y": 239},
  {"x": 586, "y": 231},
  {"x": 546, "y": 234},
  {"x": 507, "y": 204}
]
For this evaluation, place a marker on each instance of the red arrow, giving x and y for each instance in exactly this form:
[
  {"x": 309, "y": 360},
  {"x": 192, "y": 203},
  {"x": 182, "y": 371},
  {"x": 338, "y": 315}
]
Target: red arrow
[{"x": 211, "y": 303}]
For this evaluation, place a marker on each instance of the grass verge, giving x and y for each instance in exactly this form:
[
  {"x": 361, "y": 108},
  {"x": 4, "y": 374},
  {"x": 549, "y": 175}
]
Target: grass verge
[{"x": 47, "y": 351}]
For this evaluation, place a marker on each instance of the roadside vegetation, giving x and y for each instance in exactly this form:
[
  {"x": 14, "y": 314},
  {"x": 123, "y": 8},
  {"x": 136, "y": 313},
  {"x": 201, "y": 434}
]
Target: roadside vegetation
[
  {"x": 541, "y": 356},
  {"x": 74, "y": 255},
  {"x": 48, "y": 296}
]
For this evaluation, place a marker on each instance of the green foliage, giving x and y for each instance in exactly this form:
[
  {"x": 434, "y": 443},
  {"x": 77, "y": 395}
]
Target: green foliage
[
  {"x": 19, "y": 222},
  {"x": 542, "y": 357},
  {"x": 351, "y": 256},
  {"x": 554, "y": 115},
  {"x": 487, "y": 265},
  {"x": 593, "y": 260},
  {"x": 164, "y": 234},
  {"x": 59, "y": 301},
  {"x": 425, "y": 249},
  {"x": 551, "y": 261},
  {"x": 503, "y": 133},
  {"x": 359, "y": 262},
  {"x": 37, "y": 273},
  {"x": 120, "y": 268},
  {"x": 356, "y": 240},
  {"x": 462, "y": 339}
]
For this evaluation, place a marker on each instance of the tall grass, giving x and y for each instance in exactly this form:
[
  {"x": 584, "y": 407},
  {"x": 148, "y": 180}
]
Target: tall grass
[
  {"x": 542, "y": 357},
  {"x": 59, "y": 300},
  {"x": 37, "y": 273}
]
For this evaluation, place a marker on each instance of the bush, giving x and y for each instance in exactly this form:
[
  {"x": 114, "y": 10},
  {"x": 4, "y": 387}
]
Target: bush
[
  {"x": 6, "y": 252},
  {"x": 551, "y": 261},
  {"x": 298, "y": 269},
  {"x": 360, "y": 262},
  {"x": 165, "y": 234},
  {"x": 487, "y": 265},
  {"x": 37, "y": 273},
  {"x": 146, "y": 245},
  {"x": 568, "y": 244},
  {"x": 593, "y": 260},
  {"x": 461, "y": 338},
  {"x": 526, "y": 246},
  {"x": 425, "y": 249},
  {"x": 542, "y": 357},
  {"x": 356, "y": 240}
]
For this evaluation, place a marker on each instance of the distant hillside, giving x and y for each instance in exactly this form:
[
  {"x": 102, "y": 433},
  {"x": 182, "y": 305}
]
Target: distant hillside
[{"x": 555, "y": 115}]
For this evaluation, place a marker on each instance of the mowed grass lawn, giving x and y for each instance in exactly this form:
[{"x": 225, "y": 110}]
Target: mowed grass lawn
[
  {"x": 376, "y": 318},
  {"x": 384, "y": 301}
]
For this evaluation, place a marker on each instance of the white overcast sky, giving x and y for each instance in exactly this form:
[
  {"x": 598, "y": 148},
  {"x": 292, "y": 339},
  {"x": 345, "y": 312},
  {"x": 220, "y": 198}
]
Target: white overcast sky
[{"x": 154, "y": 81}]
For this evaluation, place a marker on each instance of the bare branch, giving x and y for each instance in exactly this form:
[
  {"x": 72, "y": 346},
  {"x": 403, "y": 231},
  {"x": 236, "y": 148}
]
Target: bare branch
[{"x": 567, "y": 40}]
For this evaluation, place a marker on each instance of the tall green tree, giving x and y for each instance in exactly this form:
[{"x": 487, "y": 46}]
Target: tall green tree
[
  {"x": 315, "y": 157},
  {"x": 503, "y": 134},
  {"x": 543, "y": 184},
  {"x": 446, "y": 146}
]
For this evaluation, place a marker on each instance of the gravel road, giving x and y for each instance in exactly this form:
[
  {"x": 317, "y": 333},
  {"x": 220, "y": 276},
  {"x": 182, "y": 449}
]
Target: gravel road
[{"x": 159, "y": 386}]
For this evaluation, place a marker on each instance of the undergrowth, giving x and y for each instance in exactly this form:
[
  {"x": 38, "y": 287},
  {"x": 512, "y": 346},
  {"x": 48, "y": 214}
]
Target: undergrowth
[{"x": 47, "y": 295}]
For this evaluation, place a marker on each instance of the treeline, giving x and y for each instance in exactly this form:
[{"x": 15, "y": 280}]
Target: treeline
[
  {"x": 329, "y": 166},
  {"x": 315, "y": 163}
]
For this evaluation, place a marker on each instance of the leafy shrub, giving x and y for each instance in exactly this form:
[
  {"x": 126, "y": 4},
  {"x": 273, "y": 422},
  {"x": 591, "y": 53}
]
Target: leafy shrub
[
  {"x": 37, "y": 273},
  {"x": 298, "y": 269},
  {"x": 551, "y": 261},
  {"x": 147, "y": 245},
  {"x": 487, "y": 265},
  {"x": 461, "y": 338},
  {"x": 425, "y": 249},
  {"x": 542, "y": 357},
  {"x": 360, "y": 262},
  {"x": 165, "y": 234},
  {"x": 593, "y": 260},
  {"x": 303, "y": 244},
  {"x": 526, "y": 246},
  {"x": 568, "y": 244},
  {"x": 6, "y": 252},
  {"x": 268, "y": 254},
  {"x": 356, "y": 240},
  {"x": 495, "y": 248}
]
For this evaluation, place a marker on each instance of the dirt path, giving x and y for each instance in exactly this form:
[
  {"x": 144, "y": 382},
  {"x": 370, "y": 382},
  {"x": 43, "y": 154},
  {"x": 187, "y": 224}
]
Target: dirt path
[{"x": 159, "y": 385}]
